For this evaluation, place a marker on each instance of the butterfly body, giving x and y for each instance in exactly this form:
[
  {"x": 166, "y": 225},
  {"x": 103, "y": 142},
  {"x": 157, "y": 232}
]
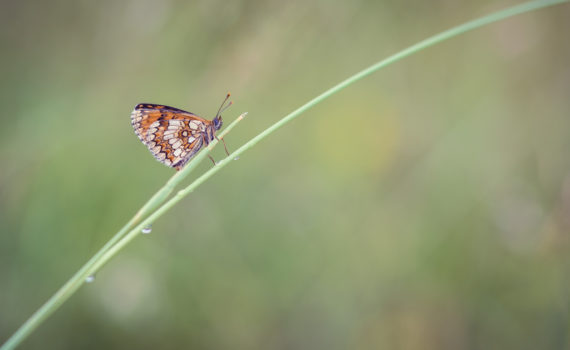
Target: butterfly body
[{"x": 173, "y": 135}]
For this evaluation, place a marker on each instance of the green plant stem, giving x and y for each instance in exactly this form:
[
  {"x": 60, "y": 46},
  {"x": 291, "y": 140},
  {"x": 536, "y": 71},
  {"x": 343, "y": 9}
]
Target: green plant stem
[
  {"x": 91, "y": 266},
  {"x": 122, "y": 237},
  {"x": 497, "y": 16}
]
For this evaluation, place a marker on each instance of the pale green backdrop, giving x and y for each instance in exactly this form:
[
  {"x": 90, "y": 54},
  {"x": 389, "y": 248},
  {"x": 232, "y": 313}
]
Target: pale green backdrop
[{"x": 426, "y": 207}]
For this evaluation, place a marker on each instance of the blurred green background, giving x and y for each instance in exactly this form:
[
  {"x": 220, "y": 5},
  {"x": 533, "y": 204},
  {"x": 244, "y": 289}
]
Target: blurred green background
[{"x": 426, "y": 207}]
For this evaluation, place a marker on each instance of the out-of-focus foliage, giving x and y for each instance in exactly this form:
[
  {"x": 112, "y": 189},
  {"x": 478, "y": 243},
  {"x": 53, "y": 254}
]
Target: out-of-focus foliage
[{"x": 426, "y": 207}]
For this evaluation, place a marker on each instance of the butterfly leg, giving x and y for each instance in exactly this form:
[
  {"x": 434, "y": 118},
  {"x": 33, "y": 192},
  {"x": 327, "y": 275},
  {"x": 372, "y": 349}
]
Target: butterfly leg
[
  {"x": 212, "y": 159},
  {"x": 224, "y": 142}
]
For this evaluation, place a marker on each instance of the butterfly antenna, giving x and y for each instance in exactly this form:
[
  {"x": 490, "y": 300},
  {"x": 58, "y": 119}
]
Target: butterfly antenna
[{"x": 222, "y": 108}]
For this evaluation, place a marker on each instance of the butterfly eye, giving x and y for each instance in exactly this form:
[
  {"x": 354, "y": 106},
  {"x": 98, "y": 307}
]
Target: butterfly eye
[{"x": 218, "y": 123}]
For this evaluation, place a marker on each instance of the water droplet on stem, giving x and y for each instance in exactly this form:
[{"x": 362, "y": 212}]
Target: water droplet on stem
[
  {"x": 146, "y": 230},
  {"x": 90, "y": 279}
]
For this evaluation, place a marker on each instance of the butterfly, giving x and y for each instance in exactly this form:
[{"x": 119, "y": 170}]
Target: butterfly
[{"x": 173, "y": 135}]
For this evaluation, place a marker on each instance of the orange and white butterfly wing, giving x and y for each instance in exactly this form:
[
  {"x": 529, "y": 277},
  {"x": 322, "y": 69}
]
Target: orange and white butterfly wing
[{"x": 172, "y": 135}]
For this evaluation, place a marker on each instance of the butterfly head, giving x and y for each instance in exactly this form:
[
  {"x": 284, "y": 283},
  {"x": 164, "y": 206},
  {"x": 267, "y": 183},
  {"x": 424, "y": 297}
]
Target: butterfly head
[{"x": 217, "y": 122}]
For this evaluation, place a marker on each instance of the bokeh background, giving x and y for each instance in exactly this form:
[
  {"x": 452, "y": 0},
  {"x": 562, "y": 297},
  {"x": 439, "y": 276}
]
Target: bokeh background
[{"x": 425, "y": 207}]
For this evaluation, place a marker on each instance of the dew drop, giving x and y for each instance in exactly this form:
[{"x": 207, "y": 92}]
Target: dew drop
[
  {"x": 90, "y": 279},
  {"x": 146, "y": 230},
  {"x": 236, "y": 158}
]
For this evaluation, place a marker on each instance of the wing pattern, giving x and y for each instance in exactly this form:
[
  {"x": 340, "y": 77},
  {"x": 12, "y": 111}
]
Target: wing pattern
[{"x": 172, "y": 135}]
